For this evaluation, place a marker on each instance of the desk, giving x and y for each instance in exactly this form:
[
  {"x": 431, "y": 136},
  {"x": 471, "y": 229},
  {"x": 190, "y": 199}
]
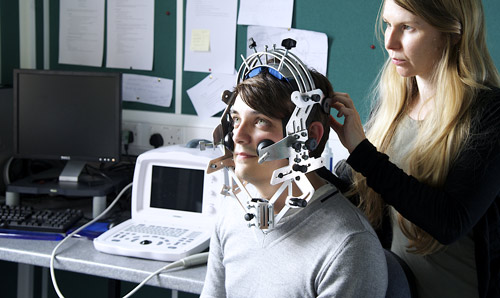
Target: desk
[{"x": 79, "y": 255}]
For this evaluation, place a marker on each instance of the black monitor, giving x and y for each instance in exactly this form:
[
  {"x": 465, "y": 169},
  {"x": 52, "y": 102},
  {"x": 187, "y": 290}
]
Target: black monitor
[{"x": 67, "y": 115}]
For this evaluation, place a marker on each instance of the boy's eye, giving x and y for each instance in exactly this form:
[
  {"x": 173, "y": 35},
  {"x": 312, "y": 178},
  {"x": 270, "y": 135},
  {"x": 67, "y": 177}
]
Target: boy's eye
[
  {"x": 262, "y": 122},
  {"x": 236, "y": 121}
]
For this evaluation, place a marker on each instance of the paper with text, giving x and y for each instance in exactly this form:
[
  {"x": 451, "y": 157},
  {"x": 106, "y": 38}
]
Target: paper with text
[
  {"x": 147, "y": 89},
  {"x": 218, "y": 18},
  {"x": 206, "y": 96},
  {"x": 200, "y": 40},
  {"x": 311, "y": 49},
  {"x": 81, "y": 32},
  {"x": 275, "y": 13},
  {"x": 130, "y": 34}
]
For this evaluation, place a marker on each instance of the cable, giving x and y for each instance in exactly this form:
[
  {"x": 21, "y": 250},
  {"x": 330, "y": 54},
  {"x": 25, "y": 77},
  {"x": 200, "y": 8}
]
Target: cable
[
  {"x": 6, "y": 171},
  {"x": 189, "y": 261},
  {"x": 53, "y": 255},
  {"x": 193, "y": 260}
]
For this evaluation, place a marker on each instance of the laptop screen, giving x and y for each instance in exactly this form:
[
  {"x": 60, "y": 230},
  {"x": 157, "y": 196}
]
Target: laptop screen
[{"x": 177, "y": 188}]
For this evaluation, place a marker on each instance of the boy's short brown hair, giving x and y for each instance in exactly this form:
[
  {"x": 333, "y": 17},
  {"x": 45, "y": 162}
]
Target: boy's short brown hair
[{"x": 271, "y": 97}]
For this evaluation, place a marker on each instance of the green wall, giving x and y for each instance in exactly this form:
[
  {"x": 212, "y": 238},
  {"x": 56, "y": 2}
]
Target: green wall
[
  {"x": 353, "y": 63},
  {"x": 9, "y": 39}
]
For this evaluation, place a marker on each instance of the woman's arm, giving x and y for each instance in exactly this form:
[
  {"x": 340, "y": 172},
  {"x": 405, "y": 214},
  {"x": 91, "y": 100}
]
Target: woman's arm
[
  {"x": 446, "y": 213},
  {"x": 473, "y": 182}
]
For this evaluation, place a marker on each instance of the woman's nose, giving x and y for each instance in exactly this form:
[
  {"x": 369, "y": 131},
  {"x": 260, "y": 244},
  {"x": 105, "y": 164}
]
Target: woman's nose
[{"x": 392, "y": 41}]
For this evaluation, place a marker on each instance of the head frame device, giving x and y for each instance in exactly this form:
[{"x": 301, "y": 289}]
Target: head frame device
[{"x": 294, "y": 146}]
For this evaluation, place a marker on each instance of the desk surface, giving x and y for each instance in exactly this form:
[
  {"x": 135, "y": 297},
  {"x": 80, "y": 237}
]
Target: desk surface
[{"x": 79, "y": 255}]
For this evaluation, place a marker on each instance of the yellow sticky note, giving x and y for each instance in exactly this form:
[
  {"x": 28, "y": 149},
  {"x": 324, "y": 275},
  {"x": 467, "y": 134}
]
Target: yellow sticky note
[{"x": 200, "y": 40}]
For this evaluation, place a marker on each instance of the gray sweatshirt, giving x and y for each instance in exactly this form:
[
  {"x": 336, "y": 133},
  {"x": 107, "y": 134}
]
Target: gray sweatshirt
[{"x": 327, "y": 249}]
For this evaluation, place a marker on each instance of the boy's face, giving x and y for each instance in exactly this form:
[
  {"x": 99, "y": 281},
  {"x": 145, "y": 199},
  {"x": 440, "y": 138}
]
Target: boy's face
[{"x": 250, "y": 128}]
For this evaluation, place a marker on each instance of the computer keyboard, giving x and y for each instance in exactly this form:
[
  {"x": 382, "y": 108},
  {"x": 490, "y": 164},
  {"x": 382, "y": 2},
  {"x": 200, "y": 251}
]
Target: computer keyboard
[{"x": 29, "y": 219}]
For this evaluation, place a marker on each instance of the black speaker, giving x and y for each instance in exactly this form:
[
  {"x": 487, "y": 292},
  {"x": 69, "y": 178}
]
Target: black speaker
[{"x": 6, "y": 131}]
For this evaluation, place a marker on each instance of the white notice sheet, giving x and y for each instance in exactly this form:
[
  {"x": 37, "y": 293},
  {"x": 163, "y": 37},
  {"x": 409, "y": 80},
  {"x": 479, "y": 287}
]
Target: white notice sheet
[
  {"x": 272, "y": 13},
  {"x": 206, "y": 96},
  {"x": 130, "y": 34},
  {"x": 81, "y": 32},
  {"x": 312, "y": 47},
  {"x": 210, "y": 36},
  {"x": 147, "y": 89}
]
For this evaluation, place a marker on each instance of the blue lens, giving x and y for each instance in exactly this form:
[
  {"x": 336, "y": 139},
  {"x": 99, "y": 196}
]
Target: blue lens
[
  {"x": 276, "y": 74},
  {"x": 254, "y": 72},
  {"x": 260, "y": 69}
]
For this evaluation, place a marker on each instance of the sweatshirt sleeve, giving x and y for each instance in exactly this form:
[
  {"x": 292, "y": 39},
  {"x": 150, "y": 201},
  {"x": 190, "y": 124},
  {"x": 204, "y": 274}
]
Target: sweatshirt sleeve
[
  {"x": 343, "y": 277},
  {"x": 214, "y": 285}
]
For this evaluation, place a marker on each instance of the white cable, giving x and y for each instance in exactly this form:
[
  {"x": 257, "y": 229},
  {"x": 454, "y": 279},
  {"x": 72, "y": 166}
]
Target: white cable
[
  {"x": 193, "y": 260},
  {"x": 53, "y": 255},
  {"x": 189, "y": 261}
]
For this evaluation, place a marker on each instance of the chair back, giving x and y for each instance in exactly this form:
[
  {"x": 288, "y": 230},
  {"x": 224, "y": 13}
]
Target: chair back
[{"x": 401, "y": 279}]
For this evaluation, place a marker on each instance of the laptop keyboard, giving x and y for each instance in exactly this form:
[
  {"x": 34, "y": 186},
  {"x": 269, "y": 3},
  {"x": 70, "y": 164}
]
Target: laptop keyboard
[
  {"x": 160, "y": 236},
  {"x": 157, "y": 230}
]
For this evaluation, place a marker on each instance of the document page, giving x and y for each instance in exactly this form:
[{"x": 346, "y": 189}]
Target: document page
[
  {"x": 81, "y": 32},
  {"x": 130, "y": 34},
  {"x": 210, "y": 38}
]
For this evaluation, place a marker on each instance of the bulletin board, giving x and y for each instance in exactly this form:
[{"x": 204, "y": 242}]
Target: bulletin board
[{"x": 354, "y": 53}]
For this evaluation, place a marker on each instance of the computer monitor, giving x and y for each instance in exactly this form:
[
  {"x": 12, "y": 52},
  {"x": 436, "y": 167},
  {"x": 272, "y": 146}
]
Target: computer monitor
[{"x": 67, "y": 115}]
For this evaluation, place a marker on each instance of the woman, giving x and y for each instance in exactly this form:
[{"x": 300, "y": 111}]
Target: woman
[{"x": 436, "y": 126}]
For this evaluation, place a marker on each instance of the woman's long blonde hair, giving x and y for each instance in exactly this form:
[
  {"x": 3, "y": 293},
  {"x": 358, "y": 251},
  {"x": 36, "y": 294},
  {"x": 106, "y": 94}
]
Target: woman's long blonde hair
[{"x": 464, "y": 69}]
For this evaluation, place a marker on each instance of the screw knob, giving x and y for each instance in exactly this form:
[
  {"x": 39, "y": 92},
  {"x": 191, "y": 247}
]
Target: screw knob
[
  {"x": 316, "y": 97},
  {"x": 298, "y": 202},
  {"x": 288, "y": 43},
  {"x": 249, "y": 216},
  {"x": 311, "y": 144},
  {"x": 251, "y": 43},
  {"x": 299, "y": 168}
]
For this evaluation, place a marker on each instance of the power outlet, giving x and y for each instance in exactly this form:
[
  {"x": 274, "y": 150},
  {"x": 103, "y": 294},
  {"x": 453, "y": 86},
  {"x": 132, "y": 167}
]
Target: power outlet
[
  {"x": 142, "y": 133},
  {"x": 172, "y": 135},
  {"x": 133, "y": 148}
]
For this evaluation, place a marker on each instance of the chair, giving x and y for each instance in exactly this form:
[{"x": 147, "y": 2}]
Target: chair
[{"x": 401, "y": 279}]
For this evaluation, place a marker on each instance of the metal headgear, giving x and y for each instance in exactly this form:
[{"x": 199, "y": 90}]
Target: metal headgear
[{"x": 295, "y": 145}]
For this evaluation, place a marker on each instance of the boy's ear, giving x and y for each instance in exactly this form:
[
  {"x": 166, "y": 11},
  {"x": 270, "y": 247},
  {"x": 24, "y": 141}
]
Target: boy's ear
[{"x": 316, "y": 131}]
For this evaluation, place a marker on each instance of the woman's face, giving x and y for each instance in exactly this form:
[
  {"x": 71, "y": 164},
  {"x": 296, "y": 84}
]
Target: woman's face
[{"x": 414, "y": 46}]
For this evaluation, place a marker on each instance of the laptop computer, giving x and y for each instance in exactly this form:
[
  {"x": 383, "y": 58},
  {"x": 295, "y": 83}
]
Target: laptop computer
[{"x": 174, "y": 203}]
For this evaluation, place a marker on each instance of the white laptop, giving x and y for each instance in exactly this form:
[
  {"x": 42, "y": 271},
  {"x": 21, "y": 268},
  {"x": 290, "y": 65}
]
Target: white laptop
[{"x": 174, "y": 203}]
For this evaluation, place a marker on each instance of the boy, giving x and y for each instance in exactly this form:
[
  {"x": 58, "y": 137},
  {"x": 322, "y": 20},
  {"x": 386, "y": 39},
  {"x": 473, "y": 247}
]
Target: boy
[{"x": 324, "y": 248}]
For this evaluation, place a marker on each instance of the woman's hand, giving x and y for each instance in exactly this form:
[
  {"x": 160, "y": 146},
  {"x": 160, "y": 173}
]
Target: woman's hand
[{"x": 350, "y": 133}]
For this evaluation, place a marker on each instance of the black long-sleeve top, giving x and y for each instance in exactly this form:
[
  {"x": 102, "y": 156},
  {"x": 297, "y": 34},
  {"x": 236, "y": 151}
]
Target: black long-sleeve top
[{"x": 469, "y": 198}]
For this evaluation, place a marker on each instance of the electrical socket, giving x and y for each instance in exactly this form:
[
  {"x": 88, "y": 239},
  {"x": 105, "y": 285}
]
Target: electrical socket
[
  {"x": 172, "y": 135},
  {"x": 142, "y": 133},
  {"x": 134, "y": 147}
]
